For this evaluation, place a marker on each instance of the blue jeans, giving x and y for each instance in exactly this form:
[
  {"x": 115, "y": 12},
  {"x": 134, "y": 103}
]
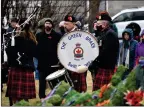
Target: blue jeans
[{"x": 36, "y": 71}]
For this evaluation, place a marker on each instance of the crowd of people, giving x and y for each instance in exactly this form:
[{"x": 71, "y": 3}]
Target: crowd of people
[{"x": 31, "y": 52}]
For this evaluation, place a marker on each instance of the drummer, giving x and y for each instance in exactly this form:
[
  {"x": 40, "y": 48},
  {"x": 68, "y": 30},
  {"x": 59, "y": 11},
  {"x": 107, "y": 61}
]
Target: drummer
[{"x": 79, "y": 80}]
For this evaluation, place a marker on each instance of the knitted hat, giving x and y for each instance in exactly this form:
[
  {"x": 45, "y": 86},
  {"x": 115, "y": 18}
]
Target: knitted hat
[{"x": 49, "y": 20}]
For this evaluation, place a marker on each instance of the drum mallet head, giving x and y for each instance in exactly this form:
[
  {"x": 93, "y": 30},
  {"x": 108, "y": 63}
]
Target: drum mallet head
[{"x": 82, "y": 69}]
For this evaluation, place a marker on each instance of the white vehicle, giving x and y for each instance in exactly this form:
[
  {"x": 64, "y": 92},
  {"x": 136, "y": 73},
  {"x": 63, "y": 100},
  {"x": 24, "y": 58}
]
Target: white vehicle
[{"x": 125, "y": 17}]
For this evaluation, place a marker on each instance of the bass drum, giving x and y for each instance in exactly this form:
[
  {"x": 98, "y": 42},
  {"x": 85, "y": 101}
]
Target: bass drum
[{"x": 77, "y": 48}]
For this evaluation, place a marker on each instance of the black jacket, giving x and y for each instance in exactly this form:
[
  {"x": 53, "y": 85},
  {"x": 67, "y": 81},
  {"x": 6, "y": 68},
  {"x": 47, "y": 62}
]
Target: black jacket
[
  {"x": 21, "y": 55},
  {"x": 108, "y": 51},
  {"x": 46, "y": 51}
]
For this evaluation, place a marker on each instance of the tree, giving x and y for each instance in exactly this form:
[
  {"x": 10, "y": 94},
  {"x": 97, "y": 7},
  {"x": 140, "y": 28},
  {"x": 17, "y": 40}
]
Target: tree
[
  {"x": 55, "y": 9},
  {"x": 93, "y": 11}
]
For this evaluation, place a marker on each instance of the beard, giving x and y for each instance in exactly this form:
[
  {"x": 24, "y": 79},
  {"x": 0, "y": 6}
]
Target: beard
[{"x": 47, "y": 28}]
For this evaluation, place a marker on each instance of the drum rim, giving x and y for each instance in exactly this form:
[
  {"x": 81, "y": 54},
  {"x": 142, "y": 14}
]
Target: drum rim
[
  {"x": 67, "y": 34},
  {"x": 56, "y": 76}
]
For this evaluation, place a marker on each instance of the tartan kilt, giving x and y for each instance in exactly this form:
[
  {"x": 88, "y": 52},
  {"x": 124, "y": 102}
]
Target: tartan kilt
[
  {"x": 21, "y": 84},
  {"x": 102, "y": 77},
  {"x": 79, "y": 81}
]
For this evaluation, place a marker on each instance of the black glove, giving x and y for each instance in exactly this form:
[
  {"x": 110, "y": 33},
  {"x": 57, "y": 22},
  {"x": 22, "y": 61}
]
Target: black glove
[
  {"x": 93, "y": 66},
  {"x": 4, "y": 65},
  {"x": 60, "y": 66}
]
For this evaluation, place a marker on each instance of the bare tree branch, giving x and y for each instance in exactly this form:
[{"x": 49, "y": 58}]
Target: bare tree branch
[{"x": 55, "y": 9}]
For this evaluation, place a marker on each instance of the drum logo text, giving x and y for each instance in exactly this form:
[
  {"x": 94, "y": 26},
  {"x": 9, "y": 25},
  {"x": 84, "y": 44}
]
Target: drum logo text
[
  {"x": 63, "y": 45},
  {"x": 78, "y": 52},
  {"x": 90, "y": 41},
  {"x": 70, "y": 64},
  {"x": 74, "y": 36}
]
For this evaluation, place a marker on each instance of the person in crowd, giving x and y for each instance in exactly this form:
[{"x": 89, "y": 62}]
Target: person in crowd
[
  {"x": 13, "y": 25},
  {"x": 46, "y": 54},
  {"x": 4, "y": 67},
  {"x": 139, "y": 49},
  {"x": 40, "y": 27},
  {"x": 78, "y": 79},
  {"x": 127, "y": 50},
  {"x": 20, "y": 52},
  {"x": 105, "y": 63},
  {"x": 111, "y": 24},
  {"x": 136, "y": 30}
]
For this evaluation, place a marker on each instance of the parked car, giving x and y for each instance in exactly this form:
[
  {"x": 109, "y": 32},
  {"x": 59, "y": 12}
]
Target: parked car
[{"x": 123, "y": 18}]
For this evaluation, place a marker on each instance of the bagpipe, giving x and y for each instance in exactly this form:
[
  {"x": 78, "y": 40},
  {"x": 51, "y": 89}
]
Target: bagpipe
[{"x": 14, "y": 32}]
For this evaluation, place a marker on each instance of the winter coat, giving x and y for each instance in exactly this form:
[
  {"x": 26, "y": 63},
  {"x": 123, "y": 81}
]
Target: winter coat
[
  {"x": 139, "y": 49},
  {"x": 132, "y": 47},
  {"x": 142, "y": 33},
  {"x": 46, "y": 51},
  {"x": 108, "y": 51},
  {"x": 22, "y": 53}
]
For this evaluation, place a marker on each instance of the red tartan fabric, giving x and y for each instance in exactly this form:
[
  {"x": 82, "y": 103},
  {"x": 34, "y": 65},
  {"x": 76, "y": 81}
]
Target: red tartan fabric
[
  {"x": 79, "y": 81},
  {"x": 21, "y": 84},
  {"x": 102, "y": 77}
]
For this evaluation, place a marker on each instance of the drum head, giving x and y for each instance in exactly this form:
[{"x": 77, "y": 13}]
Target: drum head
[
  {"x": 55, "y": 75},
  {"x": 77, "y": 48}
]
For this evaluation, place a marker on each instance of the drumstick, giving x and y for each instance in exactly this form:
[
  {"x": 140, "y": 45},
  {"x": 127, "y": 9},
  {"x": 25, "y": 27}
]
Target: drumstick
[{"x": 55, "y": 66}]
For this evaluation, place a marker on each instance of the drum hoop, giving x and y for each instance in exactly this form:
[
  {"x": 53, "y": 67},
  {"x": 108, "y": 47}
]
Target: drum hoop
[
  {"x": 56, "y": 76},
  {"x": 66, "y": 35}
]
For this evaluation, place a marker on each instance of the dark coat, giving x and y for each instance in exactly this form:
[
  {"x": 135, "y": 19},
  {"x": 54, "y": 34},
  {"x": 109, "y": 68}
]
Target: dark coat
[
  {"x": 108, "y": 51},
  {"x": 132, "y": 47},
  {"x": 21, "y": 55},
  {"x": 46, "y": 51}
]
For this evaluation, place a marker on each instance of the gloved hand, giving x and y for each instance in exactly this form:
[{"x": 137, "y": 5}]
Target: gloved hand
[
  {"x": 4, "y": 65},
  {"x": 93, "y": 66},
  {"x": 60, "y": 66}
]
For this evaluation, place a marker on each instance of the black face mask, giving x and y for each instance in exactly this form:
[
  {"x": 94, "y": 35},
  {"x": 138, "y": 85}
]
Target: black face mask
[{"x": 99, "y": 28}]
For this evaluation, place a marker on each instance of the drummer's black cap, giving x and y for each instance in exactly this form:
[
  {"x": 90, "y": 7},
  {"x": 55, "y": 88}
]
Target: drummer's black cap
[
  {"x": 70, "y": 18},
  {"x": 104, "y": 16},
  {"x": 49, "y": 20}
]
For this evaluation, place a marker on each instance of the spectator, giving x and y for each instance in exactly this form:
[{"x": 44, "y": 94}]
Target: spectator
[
  {"x": 139, "y": 49},
  {"x": 46, "y": 53},
  {"x": 136, "y": 30}
]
